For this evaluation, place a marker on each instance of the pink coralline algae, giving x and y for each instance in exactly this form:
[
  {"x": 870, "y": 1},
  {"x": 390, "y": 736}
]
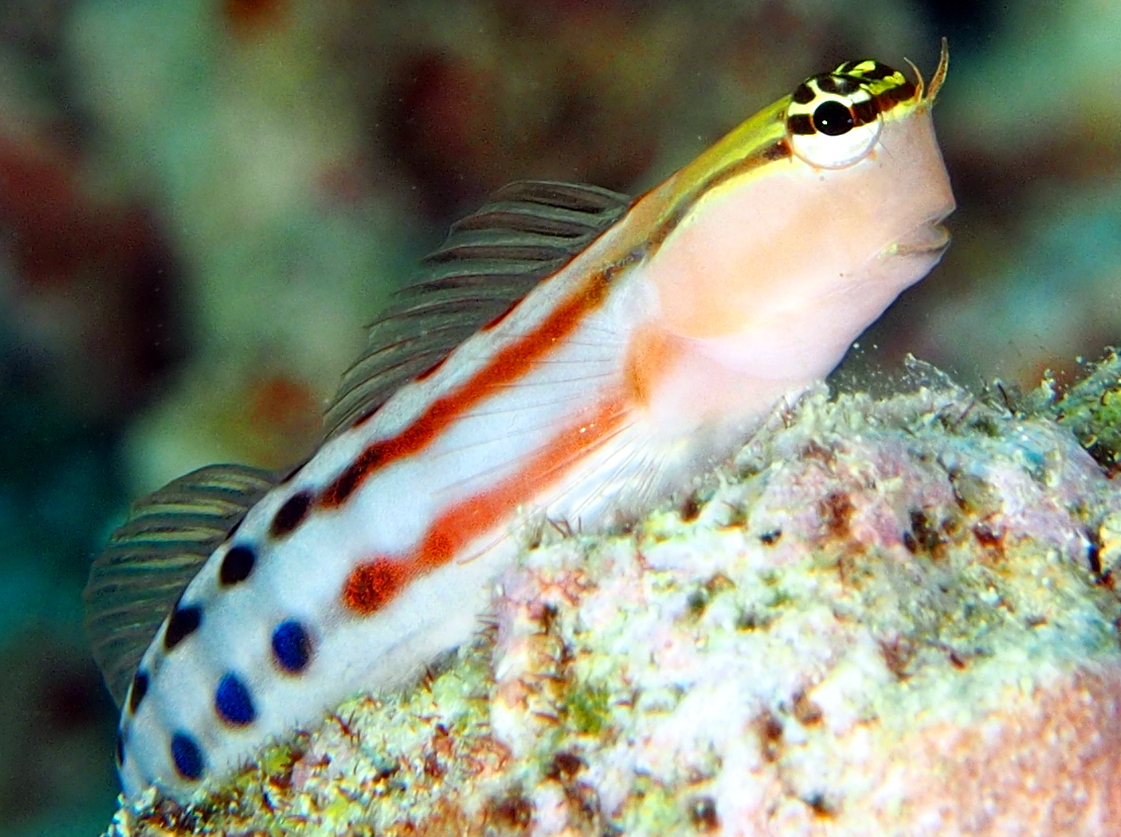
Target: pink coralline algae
[{"x": 884, "y": 617}]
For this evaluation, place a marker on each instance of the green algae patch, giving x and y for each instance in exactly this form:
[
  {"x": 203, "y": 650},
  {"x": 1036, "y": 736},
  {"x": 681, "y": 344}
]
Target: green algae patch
[
  {"x": 588, "y": 708},
  {"x": 1091, "y": 410}
]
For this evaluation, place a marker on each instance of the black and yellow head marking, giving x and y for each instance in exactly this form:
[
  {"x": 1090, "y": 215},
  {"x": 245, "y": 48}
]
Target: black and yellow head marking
[{"x": 834, "y": 119}]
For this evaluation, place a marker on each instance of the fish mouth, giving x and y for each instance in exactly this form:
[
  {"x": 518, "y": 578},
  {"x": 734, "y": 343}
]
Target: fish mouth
[{"x": 928, "y": 239}]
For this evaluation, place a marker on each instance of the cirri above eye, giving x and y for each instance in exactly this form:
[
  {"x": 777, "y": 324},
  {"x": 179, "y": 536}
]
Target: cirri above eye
[{"x": 834, "y": 119}]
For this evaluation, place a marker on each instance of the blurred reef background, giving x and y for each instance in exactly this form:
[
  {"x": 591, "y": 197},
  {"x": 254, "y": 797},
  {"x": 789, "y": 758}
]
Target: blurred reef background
[{"x": 202, "y": 201}]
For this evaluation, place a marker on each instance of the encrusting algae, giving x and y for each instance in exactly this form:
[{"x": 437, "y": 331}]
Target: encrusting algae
[
  {"x": 889, "y": 617},
  {"x": 1091, "y": 410}
]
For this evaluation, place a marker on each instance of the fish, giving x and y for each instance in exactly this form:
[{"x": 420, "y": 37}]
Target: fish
[{"x": 569, "y": 354}]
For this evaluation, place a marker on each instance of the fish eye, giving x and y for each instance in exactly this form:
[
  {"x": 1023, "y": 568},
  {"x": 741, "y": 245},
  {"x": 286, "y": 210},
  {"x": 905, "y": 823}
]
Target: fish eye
[
  {"x": 833, "y": 118},
  {"x": 832, "y": 121}
]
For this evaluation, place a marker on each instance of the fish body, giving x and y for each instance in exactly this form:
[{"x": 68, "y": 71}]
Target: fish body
[{"x": 569, "y": 355}]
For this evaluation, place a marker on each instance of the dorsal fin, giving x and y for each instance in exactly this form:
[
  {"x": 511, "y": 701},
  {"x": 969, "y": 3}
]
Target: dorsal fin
[
  {"x": 491, "y": 259},
  {"x": 153, "y": 555}
]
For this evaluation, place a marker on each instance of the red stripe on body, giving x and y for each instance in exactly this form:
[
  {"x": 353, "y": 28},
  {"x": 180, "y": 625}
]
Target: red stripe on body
[
  {"x": 373, "y": 584},
  {"x": 509, "y": 364},
  {"x": 455, "y": 529}
]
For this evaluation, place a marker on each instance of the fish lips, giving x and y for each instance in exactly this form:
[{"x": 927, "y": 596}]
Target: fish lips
[{"x": 929, "y": 239}]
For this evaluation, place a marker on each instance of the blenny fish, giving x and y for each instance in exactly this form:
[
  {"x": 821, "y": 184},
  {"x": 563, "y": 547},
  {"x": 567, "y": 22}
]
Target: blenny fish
[{"x": 569, "y": 354}]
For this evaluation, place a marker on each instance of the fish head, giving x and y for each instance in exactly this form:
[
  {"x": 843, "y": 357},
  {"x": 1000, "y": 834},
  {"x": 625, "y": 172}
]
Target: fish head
[
  {"x": 793, "y": 233},
  {"x": 866, "y": 131}
]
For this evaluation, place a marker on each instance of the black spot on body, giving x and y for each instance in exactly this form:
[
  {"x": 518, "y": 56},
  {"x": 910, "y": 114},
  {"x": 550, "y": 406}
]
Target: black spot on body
[
  {"x": 804, "y": 94},
  {"x": 187, "y": 756},
  {"x": 800, "y": 123},
  {"x": 237, "y": 564},
  {"x": 291, "y": 646},
  {"x": 905, "y": 92},
  {"x": 233, "y": 702},
  {"x": 138, "y": 690},
  {"x": 120, "y": 749},
  {"x": 184, "y": 622},
  {"x": 865, "y": 111},
  {"x": 291, "y": 514},
  {"x": 877, "y": 72}
]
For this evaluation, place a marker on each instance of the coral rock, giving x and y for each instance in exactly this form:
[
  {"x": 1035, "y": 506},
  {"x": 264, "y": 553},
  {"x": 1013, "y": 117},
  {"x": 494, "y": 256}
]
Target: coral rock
[{"x": 884, "y": 617}]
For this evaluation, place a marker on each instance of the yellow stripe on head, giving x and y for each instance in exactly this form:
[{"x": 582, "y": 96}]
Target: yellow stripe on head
[
  {"x": 831, "y": 121},
  {"x": 827, "y": 188}
]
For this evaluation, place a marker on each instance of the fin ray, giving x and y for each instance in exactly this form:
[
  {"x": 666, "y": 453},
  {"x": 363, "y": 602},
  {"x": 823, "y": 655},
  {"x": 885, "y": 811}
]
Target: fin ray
[
  {"x": 153, "y": 555},
  {"x": 529, "y": 230}
]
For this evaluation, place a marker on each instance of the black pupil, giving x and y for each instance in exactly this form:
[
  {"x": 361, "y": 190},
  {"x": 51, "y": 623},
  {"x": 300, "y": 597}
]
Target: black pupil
[{"x": 833, "y": 118}]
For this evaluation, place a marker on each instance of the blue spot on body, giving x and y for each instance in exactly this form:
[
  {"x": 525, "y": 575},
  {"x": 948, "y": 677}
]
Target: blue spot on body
[
  {"x": 187, "y": 756},
  {"x": 233, "y": 702},
  {"x": 291, "y": 646}
]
